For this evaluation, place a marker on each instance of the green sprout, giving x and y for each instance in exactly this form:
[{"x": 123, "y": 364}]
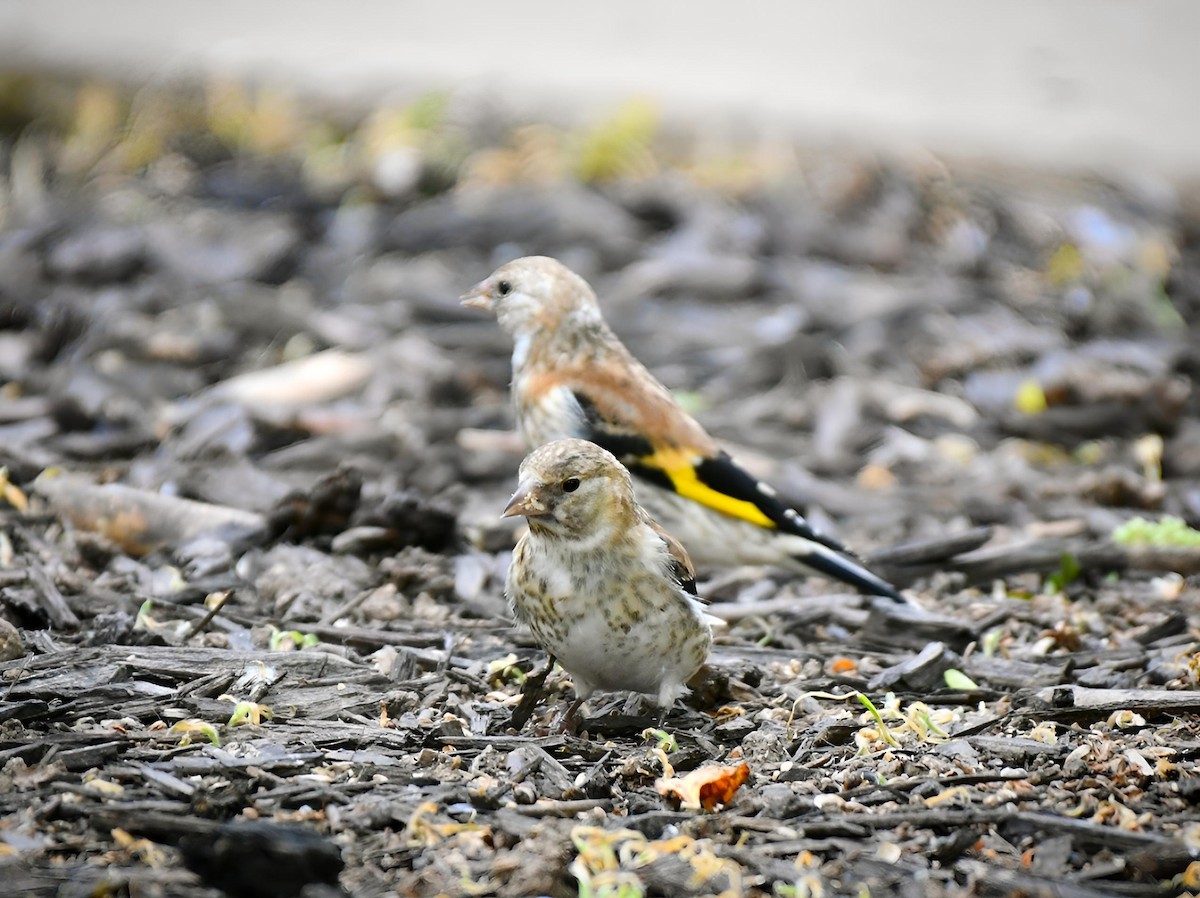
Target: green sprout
[
  {"x": 663, "y": 739},
  {"x": 1068, "y": 572},
  {"x": 874, "y": 712},
  {"x": 956, "y": 679},
  {"x": 188, "y": 728},
  {"x": 1167, "y": 532}
]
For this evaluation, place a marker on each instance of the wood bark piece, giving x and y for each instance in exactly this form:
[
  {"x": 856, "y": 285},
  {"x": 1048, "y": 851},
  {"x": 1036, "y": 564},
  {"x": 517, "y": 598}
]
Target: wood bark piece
[
  {"x": 993, "y": 880},
  {"x": 905, "y": 626},
  {"x": 928, "y": 551},
  {"x": 1044, "y": 556},
  {"x": 140, "y": 521},
  {"x": 76, "y": 672},
  {"x": 920, "y": 673},
  {"x": 51, "y": 599},
  {"x": 1014, "y": 749},
  {"x": 1091, "y": 834},
  {"x": 1105, "y": 701},
  {"x": 300, "y": 383},
  {"x": 1014, "y": 674}
]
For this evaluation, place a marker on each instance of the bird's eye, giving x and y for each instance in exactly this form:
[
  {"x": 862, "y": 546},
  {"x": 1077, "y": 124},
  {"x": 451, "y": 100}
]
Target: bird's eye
[
  {"x": 570, "y": 484},
  {"x": 504, "y": 288}
]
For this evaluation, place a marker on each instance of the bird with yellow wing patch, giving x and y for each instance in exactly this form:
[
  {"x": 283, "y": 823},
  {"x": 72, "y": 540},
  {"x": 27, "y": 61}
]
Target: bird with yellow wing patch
[{"x": 572, "y": 378}]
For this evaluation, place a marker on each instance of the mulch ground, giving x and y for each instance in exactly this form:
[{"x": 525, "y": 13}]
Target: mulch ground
[{"x": 253, "y": 634}]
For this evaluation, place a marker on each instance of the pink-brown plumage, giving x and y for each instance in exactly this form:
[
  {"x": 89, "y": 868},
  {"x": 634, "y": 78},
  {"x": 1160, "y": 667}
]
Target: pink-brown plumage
[{"x": 572, "y": 377}]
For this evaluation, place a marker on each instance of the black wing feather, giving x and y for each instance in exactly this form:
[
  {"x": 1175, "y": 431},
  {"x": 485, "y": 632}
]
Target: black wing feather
[
  {"x": 627, "y": 447},
  {"x": 724, "y": 475},
  {"x": 720, "y": 473}
]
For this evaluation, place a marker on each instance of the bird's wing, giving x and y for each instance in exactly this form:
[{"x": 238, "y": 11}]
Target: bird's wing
[
  {"x": 681, "y": 564},
  {"x": 659, "y": 442}
]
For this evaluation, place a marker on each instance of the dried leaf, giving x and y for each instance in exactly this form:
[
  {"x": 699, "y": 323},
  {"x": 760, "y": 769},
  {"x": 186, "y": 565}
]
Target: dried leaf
[
  {"x": 104, "y": 788},
  {"x": 11, "y": 493},
  {"x": 705, "y": 787},
  {"x": 948, "y": 795},
  {"x": 1045, "y": 733},
  {"x": 146, "y": 851},
  {"x": 1126, "y": 720}
]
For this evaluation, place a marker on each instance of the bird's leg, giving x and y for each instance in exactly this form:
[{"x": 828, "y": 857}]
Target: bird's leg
[
  {"x": 664, "y": 711},
  {"x": 656, "y": 712},
  {"x": 570, "y": 722},
  {"x": 531, "y": 693}
]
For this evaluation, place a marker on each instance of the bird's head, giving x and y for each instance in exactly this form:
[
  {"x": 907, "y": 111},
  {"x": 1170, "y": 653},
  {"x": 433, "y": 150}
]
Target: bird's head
[
  {"x": 573, "y": 489},
  {"x": 535, "y": 294}
]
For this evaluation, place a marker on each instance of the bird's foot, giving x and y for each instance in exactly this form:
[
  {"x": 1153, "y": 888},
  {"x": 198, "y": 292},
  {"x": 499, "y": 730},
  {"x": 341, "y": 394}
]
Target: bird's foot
[{"x": 569, "y": 724}]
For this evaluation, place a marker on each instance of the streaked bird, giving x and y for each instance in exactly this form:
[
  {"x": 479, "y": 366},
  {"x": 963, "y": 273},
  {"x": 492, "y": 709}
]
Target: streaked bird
[
  {"x": 603, "y": 588},
  {"x": 572, "y": 377}
]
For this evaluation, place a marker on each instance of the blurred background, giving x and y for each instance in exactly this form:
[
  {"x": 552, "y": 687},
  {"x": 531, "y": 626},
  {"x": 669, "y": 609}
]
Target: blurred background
[
  {"x": 1075, "y": 84},
  {"x": 861, "y": 241}
]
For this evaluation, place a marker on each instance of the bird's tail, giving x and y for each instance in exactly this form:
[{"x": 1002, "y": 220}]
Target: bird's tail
[{"x": 826, "y": 561}]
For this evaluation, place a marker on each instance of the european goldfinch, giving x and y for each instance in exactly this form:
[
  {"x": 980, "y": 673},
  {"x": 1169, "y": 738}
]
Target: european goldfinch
[
  {"x": 603, "y": 588},
  {"x": 572, "y": 377}
]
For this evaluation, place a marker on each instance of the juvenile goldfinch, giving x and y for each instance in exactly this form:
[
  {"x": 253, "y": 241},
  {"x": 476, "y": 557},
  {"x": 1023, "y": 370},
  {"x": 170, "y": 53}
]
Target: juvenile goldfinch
[
  {"x": 572, "y": 377},
  {"x": 603, "y": 588}
]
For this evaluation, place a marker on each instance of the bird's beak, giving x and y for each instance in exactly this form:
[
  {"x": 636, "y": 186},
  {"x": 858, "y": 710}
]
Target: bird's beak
[
  {"x": 478, "y": 297},
  {"x": 526, "y": 502}
]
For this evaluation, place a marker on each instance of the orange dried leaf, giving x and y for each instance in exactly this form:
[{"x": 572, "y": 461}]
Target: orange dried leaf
[
  {"x": 705, "y": 787},
  {"x": 875, "y": 477}
]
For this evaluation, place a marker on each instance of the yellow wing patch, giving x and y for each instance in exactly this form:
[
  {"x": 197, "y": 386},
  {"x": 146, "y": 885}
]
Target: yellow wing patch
[{"x": 680, "y": 467}]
